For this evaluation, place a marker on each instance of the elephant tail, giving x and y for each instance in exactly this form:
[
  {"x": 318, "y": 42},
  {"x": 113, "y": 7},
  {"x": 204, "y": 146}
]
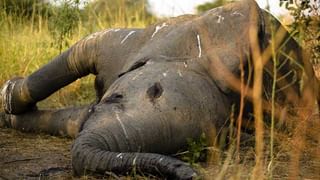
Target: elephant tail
[{"x": 91, "y": 154}]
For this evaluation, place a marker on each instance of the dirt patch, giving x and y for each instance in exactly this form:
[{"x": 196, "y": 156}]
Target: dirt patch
[
  {"x": 40, "y": 156},
  {"x": 28, "y": 156}
]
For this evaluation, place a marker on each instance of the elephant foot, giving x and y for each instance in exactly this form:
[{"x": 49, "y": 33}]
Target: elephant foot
[{"x": 15, "y": 97}]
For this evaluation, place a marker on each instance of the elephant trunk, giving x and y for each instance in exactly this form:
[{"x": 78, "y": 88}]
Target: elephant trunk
[{"x": 91, "y": 153}]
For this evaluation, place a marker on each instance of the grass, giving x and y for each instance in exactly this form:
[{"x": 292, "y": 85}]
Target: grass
[{"x": 27, "y": 45}]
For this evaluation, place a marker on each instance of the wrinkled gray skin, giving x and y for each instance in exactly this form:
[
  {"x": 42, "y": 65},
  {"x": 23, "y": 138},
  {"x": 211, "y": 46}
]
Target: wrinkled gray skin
[{"x": 155, "y": 88}]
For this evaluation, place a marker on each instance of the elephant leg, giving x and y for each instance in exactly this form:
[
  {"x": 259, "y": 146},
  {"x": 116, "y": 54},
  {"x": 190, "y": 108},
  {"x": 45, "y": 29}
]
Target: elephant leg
[
  {"x": 63, "y": 122},
  {"x": 19, "y": 95}
]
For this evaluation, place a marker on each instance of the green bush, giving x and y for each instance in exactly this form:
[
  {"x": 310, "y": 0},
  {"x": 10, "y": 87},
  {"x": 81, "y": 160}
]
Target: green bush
[
  {"x": 64, "y": 21},
  {"x": 306, "y": 25},
  {"x": 25, "y": 8}
]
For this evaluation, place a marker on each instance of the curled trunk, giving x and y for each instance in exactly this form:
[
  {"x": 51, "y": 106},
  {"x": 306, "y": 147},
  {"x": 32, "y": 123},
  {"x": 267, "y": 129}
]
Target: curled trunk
[{"x": 90, "y": 153}]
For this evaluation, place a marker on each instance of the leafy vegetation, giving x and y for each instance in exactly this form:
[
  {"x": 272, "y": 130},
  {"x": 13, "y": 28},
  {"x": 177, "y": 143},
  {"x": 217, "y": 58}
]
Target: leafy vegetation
[
  {"x": 25, "y": 8},
  {"x": 196, "y": 150},
  {"x": 306, "y": 25},
  {"x": 64, "y": 21}
]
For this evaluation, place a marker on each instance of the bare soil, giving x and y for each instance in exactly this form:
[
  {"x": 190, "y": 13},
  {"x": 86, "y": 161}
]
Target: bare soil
[
  {"x": 34, "y": 156},
  {"x": 40, "y": 156}
]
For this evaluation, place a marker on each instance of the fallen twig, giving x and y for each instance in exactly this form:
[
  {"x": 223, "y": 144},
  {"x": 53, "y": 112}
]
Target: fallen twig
[{"x": 19, "y": 160}]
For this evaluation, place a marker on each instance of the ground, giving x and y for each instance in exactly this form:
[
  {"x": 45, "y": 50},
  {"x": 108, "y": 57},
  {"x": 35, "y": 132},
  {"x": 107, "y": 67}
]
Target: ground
[
  {"x": 30, "y": 156},
  {"x": 38, "y": 156},
  {"x": 34, "y": 156}
]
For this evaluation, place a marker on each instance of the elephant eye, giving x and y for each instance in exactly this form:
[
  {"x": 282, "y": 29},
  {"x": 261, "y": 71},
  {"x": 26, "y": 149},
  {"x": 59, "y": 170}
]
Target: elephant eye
[
  {"x": 114, "y": 98},
  {"x": 155, "y": 91}
]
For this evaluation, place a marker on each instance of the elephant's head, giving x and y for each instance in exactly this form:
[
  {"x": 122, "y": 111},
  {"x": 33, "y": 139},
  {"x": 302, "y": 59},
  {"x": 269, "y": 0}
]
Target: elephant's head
[{"x": 154, "y": 108}]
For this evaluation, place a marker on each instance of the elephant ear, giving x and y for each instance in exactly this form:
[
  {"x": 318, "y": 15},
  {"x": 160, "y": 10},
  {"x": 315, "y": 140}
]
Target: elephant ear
[
  {"x": 226, "y": 33},
  {"x": 293, "y": 66}
]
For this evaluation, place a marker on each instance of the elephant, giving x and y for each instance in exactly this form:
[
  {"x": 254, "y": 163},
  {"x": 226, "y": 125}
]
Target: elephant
[{"x": 155, "y": 88}]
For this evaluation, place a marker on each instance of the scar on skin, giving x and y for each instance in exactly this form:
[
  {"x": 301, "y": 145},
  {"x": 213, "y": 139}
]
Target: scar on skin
[
  {"x": 136, "y": 76},
  {"x": 185, "y": 64},
  {"x": 3, "y": 92},
  {"x": 122, "y": 126},
  {"x": 236, "y": 13},
  {"x": 220, "y": 19},
  {"x": 128, "y": 35},
  {"x": 100, "y": 33},
  {"x": 164, "y": 74},
  {"x": 119, "y": 155},
  {"x": 158, "y": 28},
  {"x": 7, "y": 96},
  {"x": 10, "y": 96},
  {"x": 199, "y": 46},
  {"x": 134, "y": 161}
]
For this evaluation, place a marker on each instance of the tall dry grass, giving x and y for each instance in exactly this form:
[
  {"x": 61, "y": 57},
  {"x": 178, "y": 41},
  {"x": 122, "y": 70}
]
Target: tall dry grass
[
  {"x": 287, "y": 140},
  {"x": 26, "y": 45}
]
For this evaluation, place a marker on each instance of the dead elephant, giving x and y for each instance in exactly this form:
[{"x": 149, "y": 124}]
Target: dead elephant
[{"x": 155, "y": 88}]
